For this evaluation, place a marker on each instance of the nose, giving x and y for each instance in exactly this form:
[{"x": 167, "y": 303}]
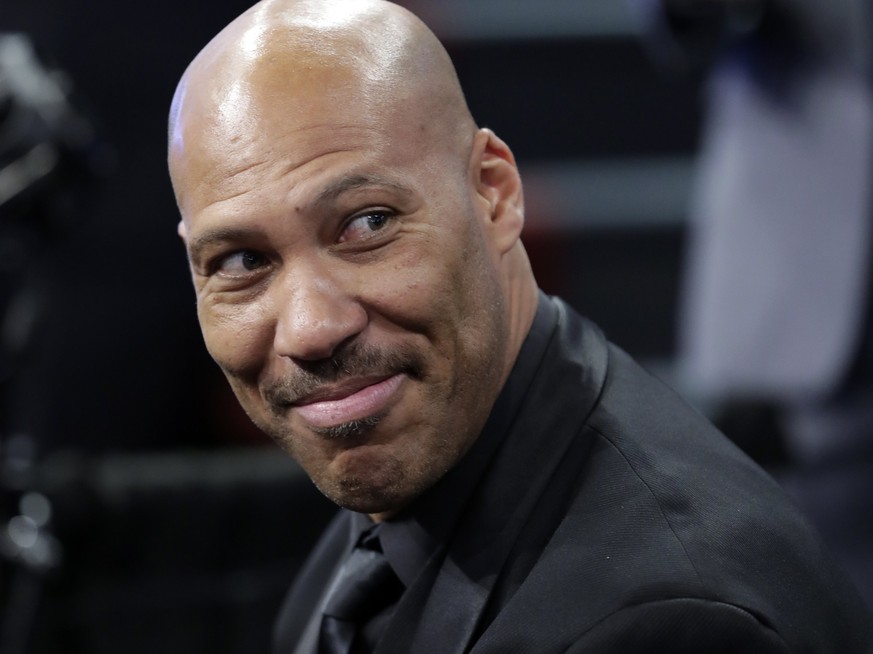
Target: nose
[{"x": 316, "y": 315}]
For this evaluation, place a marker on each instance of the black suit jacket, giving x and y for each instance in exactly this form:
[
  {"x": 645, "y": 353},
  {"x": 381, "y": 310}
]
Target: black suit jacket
[{"x": 613, "y": 519}]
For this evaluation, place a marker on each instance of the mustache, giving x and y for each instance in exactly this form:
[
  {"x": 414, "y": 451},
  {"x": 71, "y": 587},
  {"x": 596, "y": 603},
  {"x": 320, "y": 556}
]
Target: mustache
[{"x": 353, "y": 360}]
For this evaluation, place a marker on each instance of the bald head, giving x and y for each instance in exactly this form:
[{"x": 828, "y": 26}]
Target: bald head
[{"x": 283, "y": 59}]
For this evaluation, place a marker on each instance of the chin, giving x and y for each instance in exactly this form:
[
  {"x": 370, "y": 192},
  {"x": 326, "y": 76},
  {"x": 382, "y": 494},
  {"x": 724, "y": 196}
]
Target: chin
[{"x": 375, "y": 502}]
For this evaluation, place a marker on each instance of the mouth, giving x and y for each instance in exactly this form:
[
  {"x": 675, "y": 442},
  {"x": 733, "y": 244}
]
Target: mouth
[{"x": 351, "y": 401}]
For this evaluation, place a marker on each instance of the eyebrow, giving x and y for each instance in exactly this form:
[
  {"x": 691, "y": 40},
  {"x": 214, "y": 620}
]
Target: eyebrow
[
  {"x": 339, "y": 187},
  {"x": 201, "y": 242}
]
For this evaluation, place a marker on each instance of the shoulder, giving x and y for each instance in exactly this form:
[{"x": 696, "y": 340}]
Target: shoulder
[{"x": 670, "y": 523}]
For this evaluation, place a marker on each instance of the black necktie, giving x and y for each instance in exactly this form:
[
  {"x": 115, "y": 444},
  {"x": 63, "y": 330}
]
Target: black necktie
[{"x": 366, "y": 585}]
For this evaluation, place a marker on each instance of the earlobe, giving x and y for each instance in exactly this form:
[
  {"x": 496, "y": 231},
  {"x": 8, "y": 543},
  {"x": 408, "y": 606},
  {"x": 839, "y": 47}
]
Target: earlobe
[
  {"x": 498, "y": 184},
  {"x": 182, "y": 231}
]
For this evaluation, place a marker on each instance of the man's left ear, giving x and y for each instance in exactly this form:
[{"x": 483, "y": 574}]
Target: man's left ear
[{"x": 498, "y": 187}]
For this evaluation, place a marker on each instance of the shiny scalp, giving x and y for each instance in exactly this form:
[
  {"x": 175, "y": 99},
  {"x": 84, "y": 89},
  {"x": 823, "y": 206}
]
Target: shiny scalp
[{"x": 299, "y": 47}]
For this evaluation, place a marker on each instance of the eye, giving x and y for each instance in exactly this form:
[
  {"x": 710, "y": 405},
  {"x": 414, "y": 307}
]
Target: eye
[
  {"x": 240, "y": 264},
  {"x": 363, "y": 226}
]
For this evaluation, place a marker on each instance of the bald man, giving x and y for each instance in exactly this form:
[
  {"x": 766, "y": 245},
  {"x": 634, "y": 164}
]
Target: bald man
[{"x": 354, "y": 241}]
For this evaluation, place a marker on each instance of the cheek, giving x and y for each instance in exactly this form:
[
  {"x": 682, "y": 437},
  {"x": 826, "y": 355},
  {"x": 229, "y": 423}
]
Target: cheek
[
  {"x": 238, "y": 337},
  {"x": 402, "y": 287},
  {"x": 427, "y": 270}
]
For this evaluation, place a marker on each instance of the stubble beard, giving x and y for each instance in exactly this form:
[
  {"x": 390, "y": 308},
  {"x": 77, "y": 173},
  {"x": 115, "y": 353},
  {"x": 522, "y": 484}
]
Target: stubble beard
[{"x": 349, "y": 430}]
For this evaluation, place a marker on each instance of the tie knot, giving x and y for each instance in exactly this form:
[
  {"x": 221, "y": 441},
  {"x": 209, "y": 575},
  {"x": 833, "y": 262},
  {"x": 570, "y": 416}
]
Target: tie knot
[
  {"x": 370, "y": 539},
  {"x": 365, "y": 585}
]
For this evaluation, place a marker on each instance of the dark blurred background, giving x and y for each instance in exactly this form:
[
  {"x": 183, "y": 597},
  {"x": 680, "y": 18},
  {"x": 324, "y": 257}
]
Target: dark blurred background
[{"x": 143, "y": 511}]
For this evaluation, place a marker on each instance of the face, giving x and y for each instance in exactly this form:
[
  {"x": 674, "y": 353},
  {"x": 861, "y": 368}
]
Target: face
[{"x": 347, "y": 277}]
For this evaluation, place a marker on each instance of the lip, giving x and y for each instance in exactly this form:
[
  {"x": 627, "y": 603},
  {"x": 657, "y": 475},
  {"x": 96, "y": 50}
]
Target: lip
[{"x": 353, "y": 400}]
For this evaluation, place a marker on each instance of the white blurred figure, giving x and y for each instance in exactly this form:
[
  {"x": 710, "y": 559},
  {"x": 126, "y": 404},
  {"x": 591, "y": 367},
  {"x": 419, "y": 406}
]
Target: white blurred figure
[
  {"x": 777, "y": 296},
  {"x": 778, "y": 277}
]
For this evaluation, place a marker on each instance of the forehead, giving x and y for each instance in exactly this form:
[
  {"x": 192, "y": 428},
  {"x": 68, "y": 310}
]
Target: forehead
[
  {"x": 269, "y": 130},
  {"x": 266, "y": 107}
]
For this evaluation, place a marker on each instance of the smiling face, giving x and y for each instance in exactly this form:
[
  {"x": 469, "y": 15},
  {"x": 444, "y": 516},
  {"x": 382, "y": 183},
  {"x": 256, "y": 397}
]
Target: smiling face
[{"x": 352, "y": 256}]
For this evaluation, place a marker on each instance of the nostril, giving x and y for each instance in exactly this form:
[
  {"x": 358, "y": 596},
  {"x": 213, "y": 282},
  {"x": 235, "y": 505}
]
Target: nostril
[{"x": 313, "y": 330}]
